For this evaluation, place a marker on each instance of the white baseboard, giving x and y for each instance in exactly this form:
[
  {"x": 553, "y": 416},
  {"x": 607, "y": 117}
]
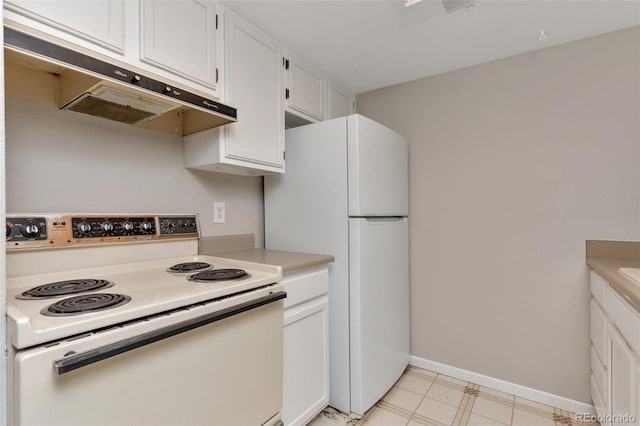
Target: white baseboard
[{"x": 504, "y": 386}]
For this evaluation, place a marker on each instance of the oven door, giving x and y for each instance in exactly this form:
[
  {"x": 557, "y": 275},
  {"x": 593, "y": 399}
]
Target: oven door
[{"x": 216, "y": 363}]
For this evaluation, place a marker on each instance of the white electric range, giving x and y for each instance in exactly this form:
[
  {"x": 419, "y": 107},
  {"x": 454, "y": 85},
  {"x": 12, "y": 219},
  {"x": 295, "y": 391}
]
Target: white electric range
[{"x": 121, "y": 309}]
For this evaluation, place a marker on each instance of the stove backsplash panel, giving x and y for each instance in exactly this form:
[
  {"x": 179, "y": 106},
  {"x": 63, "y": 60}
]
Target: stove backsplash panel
[{"x": 62, "y": 162}]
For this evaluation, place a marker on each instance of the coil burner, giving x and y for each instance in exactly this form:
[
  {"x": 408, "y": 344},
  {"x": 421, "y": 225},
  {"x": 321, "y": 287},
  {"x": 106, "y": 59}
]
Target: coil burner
[
  {"x": 214, "y": 275},
  {"x": 64, "y": 288},
  {"x": 85, "y": 303},
  {"x": 190, "y": 267}
]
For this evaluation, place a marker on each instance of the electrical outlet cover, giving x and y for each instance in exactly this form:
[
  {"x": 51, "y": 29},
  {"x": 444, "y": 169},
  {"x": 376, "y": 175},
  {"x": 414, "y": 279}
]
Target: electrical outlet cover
[{"x": 219, "y": 214}]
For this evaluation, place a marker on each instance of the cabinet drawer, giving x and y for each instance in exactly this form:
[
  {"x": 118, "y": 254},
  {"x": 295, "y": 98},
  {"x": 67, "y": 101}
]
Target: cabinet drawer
[
  {"x": 306, "y": 285},
  {"x": 598, "y": 287},
  {"x": 599, "y": 375},
  {"x": 598, "y": 331}
]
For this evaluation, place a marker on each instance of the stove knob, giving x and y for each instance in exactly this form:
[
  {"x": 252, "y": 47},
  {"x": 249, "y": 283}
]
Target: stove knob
[
  {"x": 30, "y": 231},
  {"x": 106, "y": 226},
  {"x": 127, "y": 226},
  {"x": 169, "y": 227},
  {"x": 146, "y": 226},
  {"x": 83, "y": 228}
]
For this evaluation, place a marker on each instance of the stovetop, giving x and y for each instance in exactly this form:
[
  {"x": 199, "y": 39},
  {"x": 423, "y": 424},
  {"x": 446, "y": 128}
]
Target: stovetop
[{"x": 152, "y": 289}]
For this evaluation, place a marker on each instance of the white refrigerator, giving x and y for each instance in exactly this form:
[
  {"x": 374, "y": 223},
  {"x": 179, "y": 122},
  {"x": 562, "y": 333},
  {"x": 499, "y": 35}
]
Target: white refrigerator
[{"x": 345, "y": 193}]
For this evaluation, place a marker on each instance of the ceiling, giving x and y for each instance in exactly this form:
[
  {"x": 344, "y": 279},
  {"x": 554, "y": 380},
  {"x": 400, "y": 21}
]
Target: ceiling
[{"x": 364, "y": 45}]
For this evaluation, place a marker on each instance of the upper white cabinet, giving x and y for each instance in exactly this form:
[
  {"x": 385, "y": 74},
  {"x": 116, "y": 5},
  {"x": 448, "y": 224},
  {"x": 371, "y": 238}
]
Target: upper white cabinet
[
  {"x": 340, "y": 103},
  {"x": 305, "y": 90},
  {"x": 100, "y": 22},
  {"x": 255, "y": 144},
  {"x": 175, "y": 41},
  {"x": 180, "y": 37},
  {"x": 203, "y": 47}
]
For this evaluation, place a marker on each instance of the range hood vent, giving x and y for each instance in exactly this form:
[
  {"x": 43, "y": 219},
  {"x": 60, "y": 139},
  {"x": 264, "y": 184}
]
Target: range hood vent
[
  {"x": 109, "y": 103},
  {"x": 91, "y": 86}
]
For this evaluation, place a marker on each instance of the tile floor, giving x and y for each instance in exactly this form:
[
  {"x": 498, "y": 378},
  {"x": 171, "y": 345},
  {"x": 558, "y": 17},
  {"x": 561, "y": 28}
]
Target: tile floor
[{"x": 421, "y": 397}]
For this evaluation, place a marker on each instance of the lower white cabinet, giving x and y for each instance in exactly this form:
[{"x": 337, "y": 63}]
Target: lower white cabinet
[
  {"x": 306, "y": 351},
  {"x": 624, "y": 382},
  {"x": 599, "y": 358},
  {"x": 615, "y": 366}
]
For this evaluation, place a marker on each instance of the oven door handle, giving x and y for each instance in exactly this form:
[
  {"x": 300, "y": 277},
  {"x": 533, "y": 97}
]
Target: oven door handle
[{"x": 73, "y": 362}]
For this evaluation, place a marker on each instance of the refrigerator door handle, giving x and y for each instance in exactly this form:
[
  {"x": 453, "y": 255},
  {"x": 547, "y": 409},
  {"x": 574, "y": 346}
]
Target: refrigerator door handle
[{"x": 386, "y": 220}]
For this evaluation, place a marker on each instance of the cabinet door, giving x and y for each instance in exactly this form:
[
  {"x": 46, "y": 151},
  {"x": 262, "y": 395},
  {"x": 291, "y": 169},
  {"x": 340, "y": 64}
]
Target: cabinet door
[
  {"x": 599, "y": 384},
  {"x": 179, "y": 36},
  {"x": 598, "y": 331},
  {"x": 624, "y": 383},
  {"x": 254, "y": 87},
  {"x": 98, "y": 21},
  {"x": 305, "y": 89},
  {"x": 339, "y": 103},
  {"x": 306, "y": 362}
]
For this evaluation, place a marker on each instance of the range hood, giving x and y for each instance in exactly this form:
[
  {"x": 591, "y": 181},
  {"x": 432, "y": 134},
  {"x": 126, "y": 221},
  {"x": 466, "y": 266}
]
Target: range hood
[{"x": 92, "y": 86}]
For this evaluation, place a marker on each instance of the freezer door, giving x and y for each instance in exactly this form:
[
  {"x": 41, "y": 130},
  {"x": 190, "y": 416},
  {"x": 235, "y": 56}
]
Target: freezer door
[
  {"x": 379, "y": 315},
  {"x": 377, "y": 169}
]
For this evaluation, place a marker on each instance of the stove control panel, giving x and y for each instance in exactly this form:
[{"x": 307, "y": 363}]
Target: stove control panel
[
  {"x": 99, "y": 227},
  {"x": 27, "y": 229},
  {"x": 177, "y": 225},
  {"x": 24, "y": 231}
]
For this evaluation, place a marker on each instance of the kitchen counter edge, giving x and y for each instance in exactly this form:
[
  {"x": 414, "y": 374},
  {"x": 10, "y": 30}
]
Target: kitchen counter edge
[
  {"x": 607, "y": 268},
  {"x": 289, "y": 261}
]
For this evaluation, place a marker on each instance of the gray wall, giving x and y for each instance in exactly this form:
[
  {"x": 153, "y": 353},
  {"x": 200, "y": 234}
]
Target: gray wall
[
  {"x": 514, "y": 164},
  {"x": 59, "y": 161}
]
